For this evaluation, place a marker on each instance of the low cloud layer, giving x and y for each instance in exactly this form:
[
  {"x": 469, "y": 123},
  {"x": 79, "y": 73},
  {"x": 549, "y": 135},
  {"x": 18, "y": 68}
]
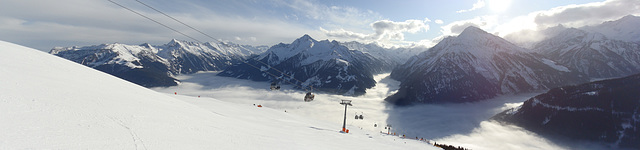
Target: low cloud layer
[{"x": 463, "y": 125}]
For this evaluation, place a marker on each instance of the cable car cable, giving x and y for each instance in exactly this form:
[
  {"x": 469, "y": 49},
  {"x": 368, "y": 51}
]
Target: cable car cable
[{"x": 270, "y": 67}]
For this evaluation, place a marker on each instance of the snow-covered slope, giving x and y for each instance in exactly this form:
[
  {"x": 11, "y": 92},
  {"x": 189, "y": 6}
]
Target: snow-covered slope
[
  {"x": 151, "y": 66},
  {"x": 474, "y": 66},
  {"x": 624, "y": 29},
  {"x": 592, "y": 53},
  {"x": 605, "y": 111},
  {"x": 312, "y": 65},
  {"x": 52, "y": 103}
]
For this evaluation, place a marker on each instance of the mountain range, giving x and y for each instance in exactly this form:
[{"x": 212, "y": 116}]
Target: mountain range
[
  {"x": 309, "y": 64},
  {"x": 624, "y": 29},
  {"x": 153, "y": 66},
  {"x": 475, "y": 66},
  {"x": 591, "y": 53},
  {"x": 604, "y": 112}
]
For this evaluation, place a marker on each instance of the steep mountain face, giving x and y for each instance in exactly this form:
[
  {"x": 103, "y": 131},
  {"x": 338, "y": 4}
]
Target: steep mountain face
[
  {"x": 605, "y": 111},
  {"x": 312, "y": 65},
  {"x": 474, "y": 66},
  {"x": 624, "y": 29},
  {"x": 592, "y": 53},
  {"x": 152, "y": 66},
  {"x": 129, "y": 62}
]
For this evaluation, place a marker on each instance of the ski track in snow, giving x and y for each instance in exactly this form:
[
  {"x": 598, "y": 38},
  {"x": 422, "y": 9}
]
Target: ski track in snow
[
  {"x": 463, "y": 125},
  {"x": 133, "y": 134}
]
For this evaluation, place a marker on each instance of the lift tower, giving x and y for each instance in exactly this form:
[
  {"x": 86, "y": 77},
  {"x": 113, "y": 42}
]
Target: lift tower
[{"x": 344, "y": 123}]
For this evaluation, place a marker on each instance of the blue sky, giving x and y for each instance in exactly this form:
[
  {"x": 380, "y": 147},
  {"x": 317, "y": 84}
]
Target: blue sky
[{"x": 45, "y": 24}]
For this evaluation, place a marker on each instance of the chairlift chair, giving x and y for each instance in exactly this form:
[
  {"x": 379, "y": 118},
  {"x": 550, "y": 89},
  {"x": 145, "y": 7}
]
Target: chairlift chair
[
  {"x": 359, "y": 116},
  {"x": 275, "y": 86},
  {"x": 309, "y": 97}
]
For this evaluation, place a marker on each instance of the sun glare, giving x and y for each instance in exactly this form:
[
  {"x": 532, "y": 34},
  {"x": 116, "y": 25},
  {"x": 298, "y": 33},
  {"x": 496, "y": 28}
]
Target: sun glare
[{"x": 499, "y": 5}]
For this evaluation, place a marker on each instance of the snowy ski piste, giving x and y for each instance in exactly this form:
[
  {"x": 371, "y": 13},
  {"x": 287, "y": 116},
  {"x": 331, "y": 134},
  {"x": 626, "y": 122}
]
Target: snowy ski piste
[{"x": 48, "y": 102}]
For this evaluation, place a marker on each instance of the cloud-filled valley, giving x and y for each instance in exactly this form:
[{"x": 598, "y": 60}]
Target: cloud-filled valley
[{"x": 465, "y": 124}]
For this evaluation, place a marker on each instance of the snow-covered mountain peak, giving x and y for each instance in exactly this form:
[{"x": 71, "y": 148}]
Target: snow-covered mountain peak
[
  {"x": 624, "y": 29},
  {"x": 158, "y": 62},
  {"x": 147, "y": 45},
  {"x": 324, "y": 65},
  {"x": 472, "y": 30},
  {"x": 174, "y": 42},
  {"x": 592, "y": 53},
  {"x": 305, "y": 40},
  {"x": 476, "y": 42},
  {"x": 150, "y": 47},
  {"x": 309, "y": 49},
  {"x": 571, "y": 36},
  {"x": 114, "y": 53},
  {"x": 393, "y": 55},
  {"x": 624, "y": 21},
  {"x": 473, "y": 66},
  {"x": 305, "y": 37}
]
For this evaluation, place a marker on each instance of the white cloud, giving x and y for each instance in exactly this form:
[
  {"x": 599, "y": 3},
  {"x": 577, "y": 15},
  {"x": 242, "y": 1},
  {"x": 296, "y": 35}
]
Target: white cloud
[
  {"x": 484, "y": 22},
  {"x": 487, "y": 135},
  {"x": 89, "y": 22},
  {"x": 341, "y": 33},
  {"x": 587, "y": 14},
  {"x": 385, "y": 31},
  {"x": 477, "y": 5},
  {"x": 438, "y": 21},
  {"x": 427, "y": 20}
]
